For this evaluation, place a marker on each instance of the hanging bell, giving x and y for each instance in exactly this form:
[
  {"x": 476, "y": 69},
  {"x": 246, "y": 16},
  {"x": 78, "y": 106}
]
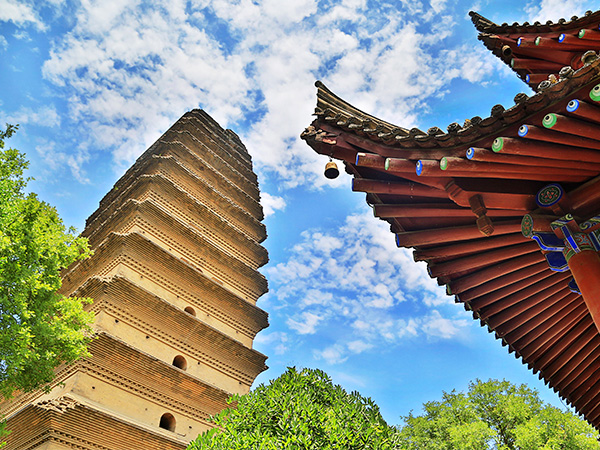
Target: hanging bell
[{"x": 331, "y": 170}]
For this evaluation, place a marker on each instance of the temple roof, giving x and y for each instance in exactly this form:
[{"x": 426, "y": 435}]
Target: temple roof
[
  {"x": 458, "y": 198},
  {"x": 538, "y": 51},
  {"x": 330, "y": 110}
]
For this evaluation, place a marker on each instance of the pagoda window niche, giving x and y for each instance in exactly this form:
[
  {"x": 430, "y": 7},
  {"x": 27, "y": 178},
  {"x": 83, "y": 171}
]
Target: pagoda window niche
[
  {"x": 167, "y": 421},
  {"x": 180, "y": 362},
  {"x": 190, "y": 311}
]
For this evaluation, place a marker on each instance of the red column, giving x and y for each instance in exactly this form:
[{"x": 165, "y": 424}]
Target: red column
[{"x": 585, "y": 268}]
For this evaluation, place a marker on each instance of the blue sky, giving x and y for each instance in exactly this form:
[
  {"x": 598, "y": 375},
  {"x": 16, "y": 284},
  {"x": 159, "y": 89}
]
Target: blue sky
[{"x": 93, "y": 84}]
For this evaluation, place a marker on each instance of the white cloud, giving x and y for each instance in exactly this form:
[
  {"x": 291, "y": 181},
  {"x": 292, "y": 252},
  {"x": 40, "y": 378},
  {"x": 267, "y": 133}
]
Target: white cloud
[
  {"x": 276, "y": 340},
  {"x": 20, "y": 13},
  {"x": 306, "y": 323},
  {"x": 438, "y": 5},
  {"x": 56, "y": 160},
  {"x": 317, "y": 297},
  {"x": 437, "y": 300},
  {"x": 359, "y": 346},
  {"x": 472, "y": 64},
  {"x": 554, "y": 9},
  {"x": 45, "y": 116},
  {"x": 335, "y": 354},
  {"x": 353, "y": 283},
  {"x": 130, "y": 70},
  {"x": 22, "y": 35},
  {"x": 436, "y": 326},
  {"x": 271, "y": 203}
]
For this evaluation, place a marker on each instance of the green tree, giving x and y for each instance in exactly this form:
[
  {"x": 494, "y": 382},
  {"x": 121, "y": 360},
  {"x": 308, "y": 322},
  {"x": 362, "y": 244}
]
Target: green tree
[
  {"x": 495, "y": 415},
  {"x": 39, "y": 329},
  {"x": 300, "y": 410}
]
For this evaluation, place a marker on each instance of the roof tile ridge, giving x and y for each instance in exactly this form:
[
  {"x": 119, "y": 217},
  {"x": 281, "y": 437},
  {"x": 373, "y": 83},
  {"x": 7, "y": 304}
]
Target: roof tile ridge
[
  {"x": 477, "y": 127},
  {"x": 325, "y": 95},
  {"x": 481, "y": 23},
  {"x": 485, "y": 25}
]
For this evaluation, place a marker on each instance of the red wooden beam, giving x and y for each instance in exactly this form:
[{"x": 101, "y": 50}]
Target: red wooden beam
[
  {"x": 527, "y": 313},
  {"x": 330, "y": 150},
  {"x": 531, "y": 340},
  {"x": 592, "y": 410},
  {"x": 585, "y": 200},
  {"x": 547, "y": 43},
  {"x": 453, "y": 234},
  {"x": 383, "y": 149},
  {"x": 582, "y": 393},
  {"x": 548, "y": 318},
  {"x": 585, "y": 268},
  {"x": 563, "y": 349},
  {"x": 526, "y": 307},
  {"x": 490, "y": 296},
  {"x": 525, "y": 42},
  {"x": 427, "y": 168},
  {"x": 542, "y": 289},
  {"x": 468, "y": 247},
  {"x": 533, "y": 79},
  {"x": 574, "y": 41},
  {"x": 559, "y": 58},
  {"x": 559, "y": 372},
  {"x": 588, "y": 34},
  {"x": 481, "y": 259},
  {"x": 370, "y": 160},
  {"x": 386, "y": 211},
  {"x": 487, "y": 155},
  {"x": 591, "y": 393},
  {"x": 500, "y": 282},
  {"x": 426, "y": 223},
  {"x": 543, "y": 134},
  {"x": 567, "y": 375},
  {"x": 589, "y": 405},
  {"x": 451, "y": 164},
  {"x": 569, "y": 125},
  {"x": 535, "y": 64},
  {"x": 400, "y": 165},
  {"x": 556, "y": 340},
  {"x": 497, "y": 270},
  {"x": 396, "y": 188},
  {"x": 515, "y": 146},
  {"x": 500, "y": 41},
  {"x": 582, "y": 110}
]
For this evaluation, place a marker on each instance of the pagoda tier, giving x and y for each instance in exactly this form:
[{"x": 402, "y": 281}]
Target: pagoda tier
[
  {"x": 139, "y": 385},
  {"x": 460, "y": 198},
  {"x": 157, "y": 185},
  {"x": 144, "y": 263},
  {"x": 539, "y": 51},
  {"x": 125, "y": 309},
  {"x": 194, "y": 243},
  {"x": 174, "y": 281},
  {"x": 66, "y": 423}
]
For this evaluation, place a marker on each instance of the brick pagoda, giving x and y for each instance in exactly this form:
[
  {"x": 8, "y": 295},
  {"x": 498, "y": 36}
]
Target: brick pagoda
[{"x": 175, "y": 282}]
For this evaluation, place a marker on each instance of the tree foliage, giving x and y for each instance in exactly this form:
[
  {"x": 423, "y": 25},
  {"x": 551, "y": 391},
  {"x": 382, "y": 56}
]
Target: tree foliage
[
  {"x": 303, "y": 410},
  {"x": 299, "y": 410},
  {"x": 39, "y": 329},
  {"x": 495, "y": 415}
]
